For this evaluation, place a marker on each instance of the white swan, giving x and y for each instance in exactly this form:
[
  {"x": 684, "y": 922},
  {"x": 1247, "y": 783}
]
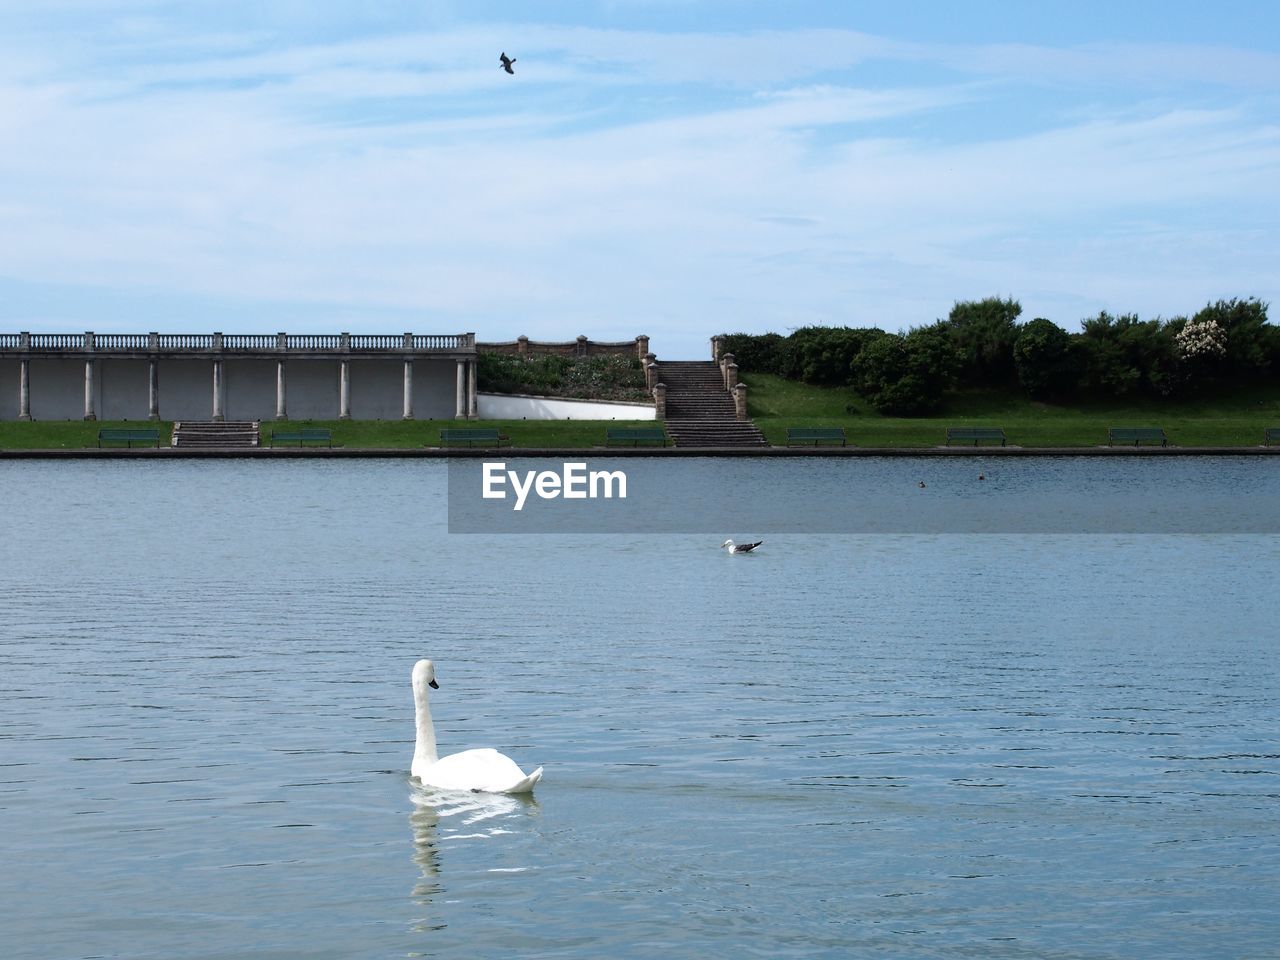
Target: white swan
[{"x": 484, "y": 770}]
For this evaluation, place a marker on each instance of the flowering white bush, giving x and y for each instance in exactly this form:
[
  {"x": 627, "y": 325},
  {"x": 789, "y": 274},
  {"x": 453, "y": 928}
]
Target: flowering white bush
[{"x": 1202, "y": 340}]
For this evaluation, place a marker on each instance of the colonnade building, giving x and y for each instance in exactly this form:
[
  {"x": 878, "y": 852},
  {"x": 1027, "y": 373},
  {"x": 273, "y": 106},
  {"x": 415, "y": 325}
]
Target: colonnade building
[{"x": 127, "y": 376}]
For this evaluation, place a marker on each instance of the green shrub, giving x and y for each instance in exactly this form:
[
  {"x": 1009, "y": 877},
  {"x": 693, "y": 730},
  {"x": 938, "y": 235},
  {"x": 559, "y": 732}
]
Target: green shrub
[
  {"x": 1126, "y": 357},
  {"x": 757, "y": 352},
  {"x": 906, "y": 376},
  {"x": 1248, "y": 353},
  {"x": 606, "y": 377},
  {"x": 824, "y": 355},
  {"x": 985, "y": 332},
  {"x": 1048, "y": 360}
]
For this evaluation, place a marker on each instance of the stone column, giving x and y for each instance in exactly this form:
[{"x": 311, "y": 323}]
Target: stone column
[
  {"x": 281, "y": 412},
  {"x": 660, "y": 401},
  {"x": 715, "y": 347},
  {"x": 344, "y": 390},
  {"x": 460, "y": 408},
  {"x": 730, "y": 375},
  {"x": 473, "y": 393},
  {"x": 740, "y": 401},
  {"x": 89, "y": 413},
  {"x": 153, "y": 389},
  {"x": 408, "y": 390},
  {"x": 217, "y": 390},
  {"x": 642, "y": 345},
  {"x": 24, "y": 390},
  {"x": 522, "y": 345},
  {"x": 725, "y": 361}
]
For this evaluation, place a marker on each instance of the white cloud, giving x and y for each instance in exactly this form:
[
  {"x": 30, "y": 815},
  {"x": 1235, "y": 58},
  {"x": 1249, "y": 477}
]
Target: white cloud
[{"x": 757, "y": 185}]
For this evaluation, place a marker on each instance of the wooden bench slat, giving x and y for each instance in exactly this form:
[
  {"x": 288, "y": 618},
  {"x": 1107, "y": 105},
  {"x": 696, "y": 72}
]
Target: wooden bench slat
[
  {"x": 473, "y": 435},
  {"x": 128, "y": 436},
  {"x": 976, "y": 434},
  {"x": 305, "y": 435},
  {"x": 635, "y": 435},
  {"x": 1137, "y": 435},
  {"x": 816, "y": 435}
]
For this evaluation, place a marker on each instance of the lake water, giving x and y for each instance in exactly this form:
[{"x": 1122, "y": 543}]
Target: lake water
[{"x": 996, "y": 746}]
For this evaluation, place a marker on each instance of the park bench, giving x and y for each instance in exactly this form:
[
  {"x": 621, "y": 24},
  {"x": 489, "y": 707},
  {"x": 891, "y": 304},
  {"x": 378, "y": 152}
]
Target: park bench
[
  {"x": 976, "y": 434},
  {"x": 635, "y": 435},
  {"x": 129, "y": 437},
  {"x": 815, "y": 435},
  {"x": 301, "y": 437},
  {"x": 1136, "y": 435},
  {"x": 1270, "y": 436},
  {"x": 473, "y": 435}
]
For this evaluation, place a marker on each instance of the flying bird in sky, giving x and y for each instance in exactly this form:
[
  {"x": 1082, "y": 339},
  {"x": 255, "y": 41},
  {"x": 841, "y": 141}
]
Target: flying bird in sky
[{"x": 507, "y": 62}]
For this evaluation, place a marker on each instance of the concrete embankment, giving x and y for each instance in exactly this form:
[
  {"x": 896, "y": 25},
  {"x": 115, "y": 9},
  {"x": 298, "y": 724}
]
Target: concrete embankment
[{"x": 576, "y": 453}]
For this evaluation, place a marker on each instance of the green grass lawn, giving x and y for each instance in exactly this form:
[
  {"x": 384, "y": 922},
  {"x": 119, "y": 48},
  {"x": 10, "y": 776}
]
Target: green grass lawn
[
  {"x": 357, "y": 434},
  {"x": 1236, "y": 420},
  {"x": 398, "y": 434},
  {"x": 70, "y": 434}
]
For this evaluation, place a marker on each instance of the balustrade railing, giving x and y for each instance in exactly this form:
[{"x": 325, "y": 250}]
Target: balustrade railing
[
  {"x": 186, "y": 341},
  {"x": 377, "y": 342},
  {"x": 57, "y": 341},
  {"x": 251, "y": 341},
  {"x": 307, "y": 341},
  {"x": 121, "y": 341},
  {"x": 235, "y": 343}
]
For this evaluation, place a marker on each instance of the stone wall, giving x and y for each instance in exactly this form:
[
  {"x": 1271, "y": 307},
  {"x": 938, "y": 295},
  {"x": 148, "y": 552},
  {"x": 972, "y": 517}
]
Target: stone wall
[{"x": 581, "y": 347}]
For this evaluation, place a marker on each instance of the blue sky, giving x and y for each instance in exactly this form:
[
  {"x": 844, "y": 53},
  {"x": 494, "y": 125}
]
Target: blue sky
[{"x": 667, "y": 167}]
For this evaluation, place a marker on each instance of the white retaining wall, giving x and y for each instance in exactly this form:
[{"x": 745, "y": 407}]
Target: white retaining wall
[{"x": 498, "y": 406}]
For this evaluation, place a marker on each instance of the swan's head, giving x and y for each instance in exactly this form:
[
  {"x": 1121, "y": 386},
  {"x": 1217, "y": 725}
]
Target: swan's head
[{"x": 424, "y": 675}]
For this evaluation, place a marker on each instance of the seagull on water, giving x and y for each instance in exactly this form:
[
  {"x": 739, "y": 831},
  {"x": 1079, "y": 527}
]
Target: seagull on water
[
  {"x": 507, "y": 62},
  {"x": 739, "y": 547}
]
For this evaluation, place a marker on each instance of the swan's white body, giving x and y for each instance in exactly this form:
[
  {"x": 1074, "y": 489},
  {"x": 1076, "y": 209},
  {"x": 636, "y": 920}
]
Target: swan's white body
[
  {"x": 484, "y": 770},
  {"x": 739, "y": 547}
]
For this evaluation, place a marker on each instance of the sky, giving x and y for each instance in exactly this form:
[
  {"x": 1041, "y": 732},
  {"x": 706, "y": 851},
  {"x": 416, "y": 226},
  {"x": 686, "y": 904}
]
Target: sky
[{"x": 674, "y": 168}]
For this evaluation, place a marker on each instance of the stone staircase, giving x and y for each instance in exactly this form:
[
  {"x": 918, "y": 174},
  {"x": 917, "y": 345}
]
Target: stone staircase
[
  {"x": 700, "y": 411},
  {"x": 219, "y": 434}
]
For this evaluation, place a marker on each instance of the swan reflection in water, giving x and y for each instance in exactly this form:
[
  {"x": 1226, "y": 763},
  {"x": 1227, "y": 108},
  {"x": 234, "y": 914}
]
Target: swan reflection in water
[{"x": 440, "y": 817}]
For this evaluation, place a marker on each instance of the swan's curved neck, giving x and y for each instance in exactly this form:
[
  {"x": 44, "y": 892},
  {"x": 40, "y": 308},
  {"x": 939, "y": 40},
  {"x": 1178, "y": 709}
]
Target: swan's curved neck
[{"x": 425, "y": 749}]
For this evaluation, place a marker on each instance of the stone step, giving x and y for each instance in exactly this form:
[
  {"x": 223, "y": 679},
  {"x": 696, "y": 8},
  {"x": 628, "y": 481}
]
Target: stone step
[
  {"x": 715, "y": 433},
  {"x": 700, "y": 411},
  {"x": 215, "y": 433}
]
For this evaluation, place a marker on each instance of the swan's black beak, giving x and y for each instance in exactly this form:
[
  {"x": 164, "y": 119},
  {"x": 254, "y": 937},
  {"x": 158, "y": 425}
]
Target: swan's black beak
[{"x": 433, "y": 685}]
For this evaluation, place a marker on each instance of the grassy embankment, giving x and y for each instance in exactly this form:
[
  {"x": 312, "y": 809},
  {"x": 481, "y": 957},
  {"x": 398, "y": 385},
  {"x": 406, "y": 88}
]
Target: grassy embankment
[
  {"x": 1227, "y": 421},
  {"x": 1235, "y": 420}
]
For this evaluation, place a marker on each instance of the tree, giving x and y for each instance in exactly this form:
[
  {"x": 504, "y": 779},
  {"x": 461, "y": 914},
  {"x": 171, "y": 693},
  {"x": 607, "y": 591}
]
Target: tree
[
  {"x": 1246, "y": 334},
  {"x": 906, "y": 375},
  {"x": 985, "y": 332},
  {"x": 1047, "y": 360},
  {"x": 1125, "y": 356},
  {"x": 822, "y": 355},
  {"x": 756, "y": 353}
]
